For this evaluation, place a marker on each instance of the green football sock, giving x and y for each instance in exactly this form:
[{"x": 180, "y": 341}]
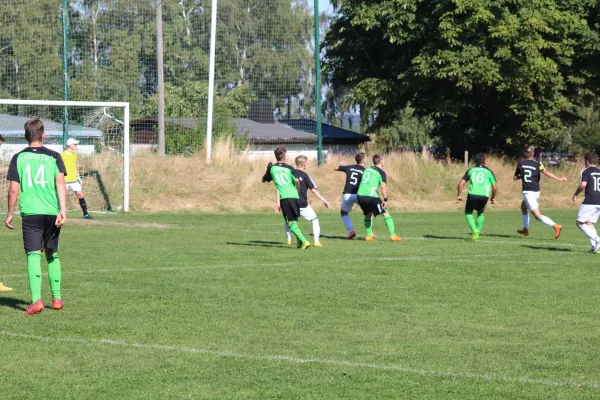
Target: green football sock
[
  {"x": 369, "y": 227},
  {"x": 295, "y": 229},
  {"x": 480, "y": 219},
  {"x": 54, "y": 274},
  {"x": 389, "y": 222},
  {"x": 471, "y": 222},
  {"x": 34, "y": 270}
]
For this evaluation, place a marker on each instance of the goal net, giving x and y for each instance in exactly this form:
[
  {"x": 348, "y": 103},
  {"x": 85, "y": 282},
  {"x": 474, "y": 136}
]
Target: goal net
[{"x": 102, "y": 130}]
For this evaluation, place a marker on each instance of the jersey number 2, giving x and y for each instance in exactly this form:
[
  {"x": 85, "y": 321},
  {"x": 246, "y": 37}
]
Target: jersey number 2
[{"x": 39, "y": 176}]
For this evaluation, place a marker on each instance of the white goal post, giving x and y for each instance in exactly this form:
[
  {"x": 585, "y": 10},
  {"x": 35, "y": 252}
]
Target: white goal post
[{"x": 106, "y": 149}]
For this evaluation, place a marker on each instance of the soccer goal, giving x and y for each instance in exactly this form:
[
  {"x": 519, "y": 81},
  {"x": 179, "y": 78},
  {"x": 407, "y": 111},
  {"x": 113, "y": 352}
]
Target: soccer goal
[{"x": 102, "y": 130}]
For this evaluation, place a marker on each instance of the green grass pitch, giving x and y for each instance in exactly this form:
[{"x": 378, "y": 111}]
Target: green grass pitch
[{"x": 194, "y": 306}]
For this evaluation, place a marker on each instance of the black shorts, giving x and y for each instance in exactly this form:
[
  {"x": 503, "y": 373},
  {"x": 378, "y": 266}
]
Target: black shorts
[
  {"x": 40, "y": 232},
  {"x": 370, "y": 205},
  {"x": 290, "y": 208},
  {"x": 476, "y": 203}
]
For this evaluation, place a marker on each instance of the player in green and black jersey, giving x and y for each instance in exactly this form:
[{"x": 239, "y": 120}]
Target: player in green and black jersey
[
  {"x": 530, "y": 172},
  {"x": 306, "y": 211},
  {"x": 37, "y": 175},
  {"x": 482, "y": 185},
  {"x": 374, "y": 180},
  {"x": 287, "y": 187}
]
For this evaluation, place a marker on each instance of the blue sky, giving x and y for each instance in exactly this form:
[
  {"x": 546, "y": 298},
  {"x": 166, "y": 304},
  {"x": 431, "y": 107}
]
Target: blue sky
[{"x": 324, "y": 5}]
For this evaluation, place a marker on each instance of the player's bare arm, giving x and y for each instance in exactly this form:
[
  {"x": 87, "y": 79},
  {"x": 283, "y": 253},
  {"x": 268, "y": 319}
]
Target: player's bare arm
[
  {"x": 297, "y": 181},
  {"x": 61, "y": 189},
  {"x": 551, "y": 175},
  {"x": 461, "y": 186},
  {"x": 494, "y": 193},
  {"x": 13, "y": 192},
  {"x": 277, "y": 201},
  {"x": 383, "y": 189},
  {"x": 580, "y": 189},
  {"x": 320, "y": 197},
  {"x": 337, "y": 168}
]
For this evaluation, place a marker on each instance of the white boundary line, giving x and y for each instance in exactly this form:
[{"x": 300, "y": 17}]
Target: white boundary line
[
  {"x": 480, "y": 258},
  {"x": 317, "y": 360}
]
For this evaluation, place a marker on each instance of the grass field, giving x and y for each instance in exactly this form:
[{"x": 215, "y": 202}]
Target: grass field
[{"x": 216, "y": 307}]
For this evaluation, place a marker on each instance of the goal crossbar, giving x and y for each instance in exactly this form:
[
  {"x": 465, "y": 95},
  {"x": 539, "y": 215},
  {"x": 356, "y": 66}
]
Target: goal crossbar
[{"x": 63, "y": 103}]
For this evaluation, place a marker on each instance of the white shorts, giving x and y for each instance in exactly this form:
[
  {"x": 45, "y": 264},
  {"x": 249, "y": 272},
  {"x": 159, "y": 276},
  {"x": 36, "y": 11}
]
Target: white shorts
[
  {"x": 348, "y": 201},
  {"x": 74, "y": 186},
  {"x": 308, "y": 213},
  {"x": 532, "y": 200},
  {"x": 588, "y": 213}
]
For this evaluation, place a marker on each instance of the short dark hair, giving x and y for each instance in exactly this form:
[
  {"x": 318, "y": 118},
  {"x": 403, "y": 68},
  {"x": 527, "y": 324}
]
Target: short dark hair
[
  {"x": 529, "y": 151},
  {"x": 360, "y": 157},
  {"x": 2, "y": 140},
  {"x": 377, "y": 159},
  {"x": 34, "y": 130},
  {"x": 280, "y": 153},
  {"x": 480, "y": 159},
  {"x": 591, "y": 157}
]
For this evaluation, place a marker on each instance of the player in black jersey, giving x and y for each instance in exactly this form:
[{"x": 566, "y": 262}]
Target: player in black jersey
[
  {"x": 590, "y": 209},
  {"x": 354, "y": 174},
  {"x": 306, "y": 211},
  {"x": 530, "y": 172}
]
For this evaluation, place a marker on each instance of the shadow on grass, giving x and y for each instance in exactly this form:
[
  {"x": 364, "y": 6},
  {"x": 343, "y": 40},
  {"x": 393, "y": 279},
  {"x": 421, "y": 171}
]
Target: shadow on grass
[
  {"x": 547, "y": 248},
  {"x": 516, "y": 236},
  {"x": 11, "y": 302},
  {"x": 334, "y": 237},
  {"x": 443, "y": 237},
  {"x": 259, "y": 243}
]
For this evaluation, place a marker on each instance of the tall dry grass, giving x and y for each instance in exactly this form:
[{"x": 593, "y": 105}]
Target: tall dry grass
[{"x": 232, "y": 183}]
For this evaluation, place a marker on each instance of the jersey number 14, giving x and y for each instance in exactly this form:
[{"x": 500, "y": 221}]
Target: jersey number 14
[{"x": 38, "y": 178}]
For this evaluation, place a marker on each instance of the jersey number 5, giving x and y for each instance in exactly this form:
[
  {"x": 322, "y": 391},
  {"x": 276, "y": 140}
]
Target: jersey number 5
[
  {"x": 354, "y": 178},
  {"x": 39, "y": 176}
]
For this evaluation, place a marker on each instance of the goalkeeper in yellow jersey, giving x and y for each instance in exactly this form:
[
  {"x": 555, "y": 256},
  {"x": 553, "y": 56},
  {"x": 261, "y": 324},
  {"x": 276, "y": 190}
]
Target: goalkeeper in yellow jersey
[{"x": 72, "y": 179}]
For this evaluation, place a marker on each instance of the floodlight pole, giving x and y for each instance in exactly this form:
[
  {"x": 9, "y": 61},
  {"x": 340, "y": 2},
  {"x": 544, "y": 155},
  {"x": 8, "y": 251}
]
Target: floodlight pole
[
  {"x": 211, "y": 80},
  {"x": 318, "y": 83},
  {"x": 65, "y": 69}
]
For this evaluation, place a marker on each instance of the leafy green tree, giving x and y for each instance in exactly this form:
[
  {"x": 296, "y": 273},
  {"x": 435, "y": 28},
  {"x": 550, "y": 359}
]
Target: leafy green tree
[{"x": 493, "y": 74}]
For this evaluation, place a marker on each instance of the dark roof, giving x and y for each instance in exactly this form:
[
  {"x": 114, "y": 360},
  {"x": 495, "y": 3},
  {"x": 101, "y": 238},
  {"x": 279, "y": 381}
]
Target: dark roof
[
  {"x": 331, "y": 134},
  {"x": 13, "y": 125},
  {"x": 258, "y": 132},
  {"x": 285, "y": 130}
]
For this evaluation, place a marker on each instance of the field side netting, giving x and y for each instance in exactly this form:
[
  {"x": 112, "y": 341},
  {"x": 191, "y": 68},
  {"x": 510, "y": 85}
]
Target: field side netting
[
  {"x": 100, "y": 151},
  {"x": 265, "y": 71}
]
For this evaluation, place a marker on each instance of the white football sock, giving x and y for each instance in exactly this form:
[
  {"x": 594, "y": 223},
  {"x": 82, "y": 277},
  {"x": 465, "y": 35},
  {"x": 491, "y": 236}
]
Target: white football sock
[
  {"x": 525, "y": 220},
  {"x": 316, "y": 229},
  {"x": 288, "y": 234},
  {"x": 547, "y": 220},
  {"x": 347, "y": 222},
  {"x": 590, "y": 231}
]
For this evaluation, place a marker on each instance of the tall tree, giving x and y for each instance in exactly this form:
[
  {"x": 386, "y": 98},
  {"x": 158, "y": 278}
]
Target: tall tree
[{"x": 492, "y": 73}]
